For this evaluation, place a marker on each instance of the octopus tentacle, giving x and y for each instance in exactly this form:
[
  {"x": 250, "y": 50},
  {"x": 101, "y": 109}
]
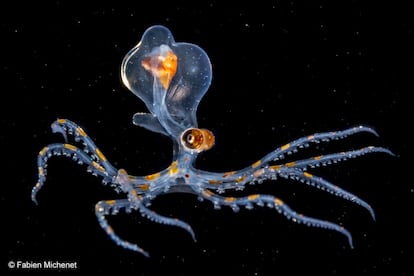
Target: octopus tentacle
[{"x": 276, "y": 203}]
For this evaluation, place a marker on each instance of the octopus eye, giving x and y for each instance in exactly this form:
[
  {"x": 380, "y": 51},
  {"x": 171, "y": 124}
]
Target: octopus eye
[
  {"x": 196, "y": 139},
  {"x": 189, "y": 139}
]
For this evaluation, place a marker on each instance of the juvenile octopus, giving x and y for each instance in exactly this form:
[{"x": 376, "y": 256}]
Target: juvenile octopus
[{"x": 171, "y": 78}]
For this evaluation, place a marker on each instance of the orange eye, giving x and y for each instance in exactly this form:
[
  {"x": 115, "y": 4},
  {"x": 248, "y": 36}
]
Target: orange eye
[{"x": 197, "y": 139}]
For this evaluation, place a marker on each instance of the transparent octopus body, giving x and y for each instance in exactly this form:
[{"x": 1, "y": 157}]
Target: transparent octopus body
[{"x": 171, "y": 78}]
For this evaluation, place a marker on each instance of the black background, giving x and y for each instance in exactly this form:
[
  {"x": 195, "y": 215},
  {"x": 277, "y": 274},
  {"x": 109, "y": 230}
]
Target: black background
[{"x": 281, "y": 70}]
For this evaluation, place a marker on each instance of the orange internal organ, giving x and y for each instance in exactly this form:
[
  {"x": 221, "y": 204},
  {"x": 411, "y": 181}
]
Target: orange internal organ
[{"x": 162, "y": 63}]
